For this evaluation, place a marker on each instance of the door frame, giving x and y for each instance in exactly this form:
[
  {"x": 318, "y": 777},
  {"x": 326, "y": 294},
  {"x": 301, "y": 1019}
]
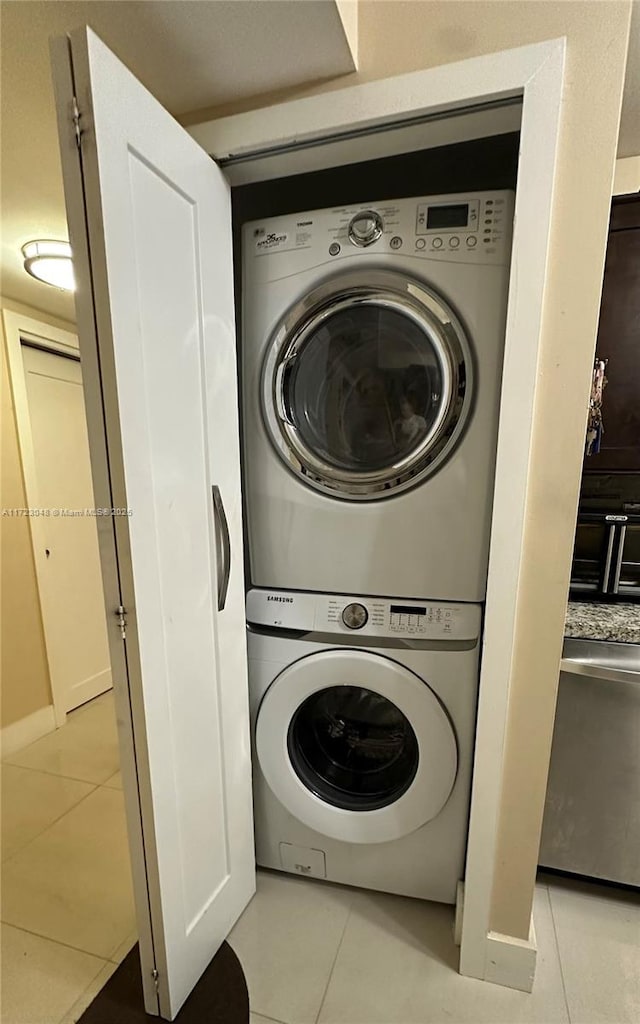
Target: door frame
[
  {"x": 59, "y": 342},
  {"x": 318, "y": 131}
]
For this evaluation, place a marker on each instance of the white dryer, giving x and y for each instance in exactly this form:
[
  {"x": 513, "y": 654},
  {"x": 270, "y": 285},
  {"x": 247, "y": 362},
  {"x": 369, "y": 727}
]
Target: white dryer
[
  {"x": 371, "y": 365},
  {"x": 363, "y": 723}
]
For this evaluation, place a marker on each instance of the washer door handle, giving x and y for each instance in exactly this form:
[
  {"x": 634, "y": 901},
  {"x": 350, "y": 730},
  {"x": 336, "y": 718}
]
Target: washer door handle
[{"x": 220, "y": 518}]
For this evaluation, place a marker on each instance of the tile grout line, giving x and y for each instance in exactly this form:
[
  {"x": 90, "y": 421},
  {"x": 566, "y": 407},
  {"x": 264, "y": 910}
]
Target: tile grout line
[
  {"x": 106, "y": 960},
  {"x": 71, "y": 1010},
  {"x": 555, "y": 935},
  {"x": 116, "y": 948},
  {"x": 333, "y": 964},
  {"x": 38, "y": 835},
  {"x": 76, "y": 949},
  {"x": 59, "y": 775}
]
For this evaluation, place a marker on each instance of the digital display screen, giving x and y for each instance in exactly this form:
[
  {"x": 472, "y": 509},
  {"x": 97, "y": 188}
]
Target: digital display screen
[
  {"x": 405, "y": 609},
  {"x": 448, "y": 216}
]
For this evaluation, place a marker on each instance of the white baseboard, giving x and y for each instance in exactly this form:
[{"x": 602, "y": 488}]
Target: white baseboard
[
  {"x": 507, "y": 961},
  {"x": 89, "y": 688},
  {"x": 510, "y": 961},
  {"x": 27, "y": 730}
]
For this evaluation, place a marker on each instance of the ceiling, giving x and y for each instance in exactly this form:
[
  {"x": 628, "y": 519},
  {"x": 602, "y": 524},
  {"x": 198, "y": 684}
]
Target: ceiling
[{"x": 186, "y": 53}]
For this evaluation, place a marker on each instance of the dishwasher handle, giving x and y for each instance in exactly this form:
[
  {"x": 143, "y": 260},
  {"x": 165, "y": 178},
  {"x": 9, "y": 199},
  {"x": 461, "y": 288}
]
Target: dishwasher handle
[{"x": 601, "y": 659}]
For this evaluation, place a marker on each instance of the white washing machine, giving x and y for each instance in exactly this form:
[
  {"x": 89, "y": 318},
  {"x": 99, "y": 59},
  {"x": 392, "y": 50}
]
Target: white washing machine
[
  {"x": 363, "y": 724},
  {"x": 371, "y": 366}
]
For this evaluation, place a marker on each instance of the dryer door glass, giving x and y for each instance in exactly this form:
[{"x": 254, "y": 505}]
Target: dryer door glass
[
  {"x": 365, "y": 391},
  {"x": 353, "y": 748}
]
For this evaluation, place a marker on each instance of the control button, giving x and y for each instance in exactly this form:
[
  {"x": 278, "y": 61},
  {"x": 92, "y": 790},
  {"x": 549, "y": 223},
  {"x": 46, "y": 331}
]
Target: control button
[
  {"x": 420, "y": 243},
  {"x": 355, "y": 616},
  {"x": 454, "y": 242},
  {"x": 437, "y": 243},
  {"x": 334, "y": 249},
  {"x": 471, "y": 241},
  {"x": 365, "y": 228},
  {"x": 395, "y": 242}
]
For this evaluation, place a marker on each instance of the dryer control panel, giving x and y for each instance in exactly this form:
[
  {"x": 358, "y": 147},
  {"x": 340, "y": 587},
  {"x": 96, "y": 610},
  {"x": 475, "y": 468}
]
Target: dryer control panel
[
  {"x": 364, "y": 616},
  {"x": 470, "y": 227}
]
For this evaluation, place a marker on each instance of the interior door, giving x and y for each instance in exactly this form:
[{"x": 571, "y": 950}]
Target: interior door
[
  {"x": 71, "y": 593},
  {"x": 150, "y": 226}
]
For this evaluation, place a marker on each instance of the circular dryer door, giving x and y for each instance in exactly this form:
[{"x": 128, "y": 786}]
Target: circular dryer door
[
  {"x": 367, "y": 385},
  {"x": 356, "y": 746}
]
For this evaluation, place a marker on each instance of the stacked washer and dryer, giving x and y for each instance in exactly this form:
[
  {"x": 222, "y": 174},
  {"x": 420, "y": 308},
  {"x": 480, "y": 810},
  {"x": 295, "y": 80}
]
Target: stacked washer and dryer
[{"x": 371, "y": 366}]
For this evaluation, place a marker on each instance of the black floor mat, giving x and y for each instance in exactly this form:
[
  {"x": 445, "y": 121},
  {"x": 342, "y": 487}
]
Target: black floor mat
[{"x": 220, "y": 997}]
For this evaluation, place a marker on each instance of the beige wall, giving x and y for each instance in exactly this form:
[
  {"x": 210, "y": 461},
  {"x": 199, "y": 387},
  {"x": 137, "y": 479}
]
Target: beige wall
[
  {"x": 25, "y": 686},
  {"x": 398, "y": 37},
  {"x": 627, "y": 176}
]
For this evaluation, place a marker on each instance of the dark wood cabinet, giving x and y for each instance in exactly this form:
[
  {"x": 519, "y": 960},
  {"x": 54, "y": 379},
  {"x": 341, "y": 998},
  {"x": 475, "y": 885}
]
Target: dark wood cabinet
[{"x": 619, "y": 343}]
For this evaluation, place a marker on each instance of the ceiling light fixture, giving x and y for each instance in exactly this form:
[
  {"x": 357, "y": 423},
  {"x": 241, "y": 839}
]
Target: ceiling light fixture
[{"x": 50, "y": 262}]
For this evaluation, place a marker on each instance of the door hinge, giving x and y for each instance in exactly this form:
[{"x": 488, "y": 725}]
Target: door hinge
[
  {"x": 121, "y": 616},
  {"x": 155, "y": 976},
  {"x": 76, "y": 122}
]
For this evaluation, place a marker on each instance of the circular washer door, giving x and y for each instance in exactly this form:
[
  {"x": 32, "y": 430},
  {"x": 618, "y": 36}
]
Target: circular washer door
[
  {"x": 367, "y": 385},
  {"x": 356, "y": 746}
]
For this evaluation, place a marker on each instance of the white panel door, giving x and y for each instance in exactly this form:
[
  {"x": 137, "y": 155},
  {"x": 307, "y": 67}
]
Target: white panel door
[
  {"x": 150, "y": 223},
  {"x": 71, "y": 591}
]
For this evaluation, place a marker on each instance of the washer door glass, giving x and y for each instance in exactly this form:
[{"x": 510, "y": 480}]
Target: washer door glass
[
  {"x": 366, "y": 386},
  {"x": 353, "y": 748},
  {"x": 356, "y": 746}
]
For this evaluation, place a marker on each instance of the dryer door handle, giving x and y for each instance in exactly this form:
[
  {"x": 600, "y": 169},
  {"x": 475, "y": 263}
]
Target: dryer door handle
[
  {"x": 220, "y": 518},
  {"x": 282, "y": 406}
]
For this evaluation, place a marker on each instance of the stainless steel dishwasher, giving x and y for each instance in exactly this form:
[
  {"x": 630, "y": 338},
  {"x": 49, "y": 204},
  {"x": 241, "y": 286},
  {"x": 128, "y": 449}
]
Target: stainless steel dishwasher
[{"x": 592, "y": 812}]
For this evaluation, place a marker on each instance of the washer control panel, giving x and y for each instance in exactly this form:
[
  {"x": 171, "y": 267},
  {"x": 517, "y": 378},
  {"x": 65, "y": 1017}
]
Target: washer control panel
[
  {"x": 366, "y": 616},
  {"x": 355, "y": 615}
]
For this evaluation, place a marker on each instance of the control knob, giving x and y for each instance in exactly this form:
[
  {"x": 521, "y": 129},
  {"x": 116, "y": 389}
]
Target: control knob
[
  {"x": 365, "y": 228},
  {"x": 355, "y": 616}
]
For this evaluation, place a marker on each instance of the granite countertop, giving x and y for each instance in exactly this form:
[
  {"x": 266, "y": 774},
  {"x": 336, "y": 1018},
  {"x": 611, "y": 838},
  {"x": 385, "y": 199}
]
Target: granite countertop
[{"x": 591, "y": 620}]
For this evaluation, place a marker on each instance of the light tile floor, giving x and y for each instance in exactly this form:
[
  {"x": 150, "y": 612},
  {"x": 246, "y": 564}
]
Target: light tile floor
[
  {"x": 313, "y": 953},
  {"x": 67, "y": 903}
]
